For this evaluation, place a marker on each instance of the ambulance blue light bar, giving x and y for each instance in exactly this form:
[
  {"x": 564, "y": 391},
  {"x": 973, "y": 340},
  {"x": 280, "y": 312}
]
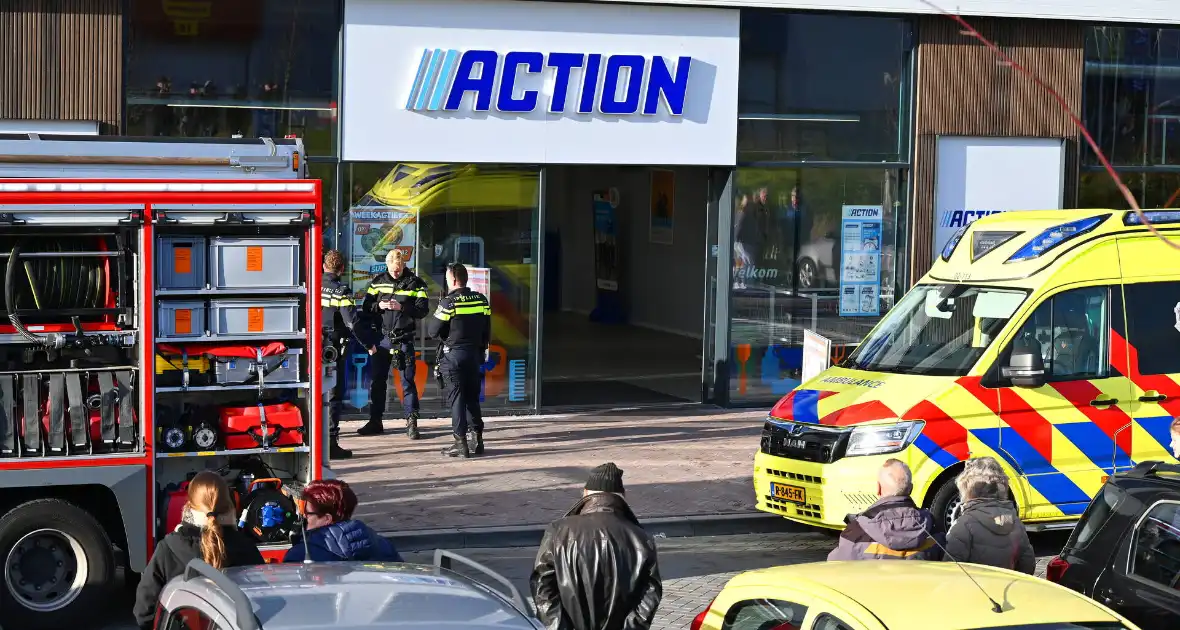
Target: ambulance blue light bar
[
  {"x": 1055, "y": 236},
  {"x": 953, "y": 242},
  {"x": 1161, "y": 217}
]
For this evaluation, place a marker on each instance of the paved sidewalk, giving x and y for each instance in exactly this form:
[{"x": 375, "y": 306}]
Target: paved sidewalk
[{"x": 689, "y": 462}]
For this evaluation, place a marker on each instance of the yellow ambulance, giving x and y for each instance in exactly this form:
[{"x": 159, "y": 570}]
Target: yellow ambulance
[{"x": 1049, "y": 341}]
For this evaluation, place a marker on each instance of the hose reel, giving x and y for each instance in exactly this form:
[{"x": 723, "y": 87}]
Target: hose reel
[{"x": 62, "y": 279}]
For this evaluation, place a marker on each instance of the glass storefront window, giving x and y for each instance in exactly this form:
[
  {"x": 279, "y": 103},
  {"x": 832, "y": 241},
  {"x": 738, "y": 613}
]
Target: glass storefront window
[
  {"x": 805, "y": 95},
  {"x": 219, "y": 68},
  {"x": 1132, "y": 95},
  {"x": 1151, "y": 190},
  {"x": 788, "y": 249},
  {"x": 482, "y": 216}
]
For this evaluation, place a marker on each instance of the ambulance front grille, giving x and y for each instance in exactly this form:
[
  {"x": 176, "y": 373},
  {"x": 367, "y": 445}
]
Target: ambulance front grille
[{"x": 795, "y": 476}]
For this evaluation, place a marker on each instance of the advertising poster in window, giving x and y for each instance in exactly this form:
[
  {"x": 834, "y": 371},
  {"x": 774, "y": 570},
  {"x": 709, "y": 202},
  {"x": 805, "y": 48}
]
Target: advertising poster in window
[
  {"x": 376, "y": 229},
  {"x": 479, "y": 279},
  {"x": 662, "y": 206},
  {"x": 860, "y": 261},
  {"x": 607, "y": 257}
]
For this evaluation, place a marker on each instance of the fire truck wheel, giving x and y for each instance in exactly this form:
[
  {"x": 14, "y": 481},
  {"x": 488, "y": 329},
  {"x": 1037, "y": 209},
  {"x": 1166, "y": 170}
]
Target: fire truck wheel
[{"x": 59, "y": 565}]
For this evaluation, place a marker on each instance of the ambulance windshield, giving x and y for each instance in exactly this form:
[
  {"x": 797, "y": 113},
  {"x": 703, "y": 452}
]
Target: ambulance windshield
[{"x": 937, "y": 330}]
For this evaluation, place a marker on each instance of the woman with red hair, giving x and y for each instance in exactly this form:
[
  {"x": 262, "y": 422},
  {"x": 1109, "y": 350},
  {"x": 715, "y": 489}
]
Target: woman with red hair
[{"x": 332, "y": 534}]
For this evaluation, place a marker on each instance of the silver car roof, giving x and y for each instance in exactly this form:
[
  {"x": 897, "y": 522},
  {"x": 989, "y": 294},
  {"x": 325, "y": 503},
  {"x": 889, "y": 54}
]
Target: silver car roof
[{"x": 361, "y": 596}]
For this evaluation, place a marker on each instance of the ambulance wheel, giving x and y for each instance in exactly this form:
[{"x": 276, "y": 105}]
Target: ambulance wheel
[
  {"x": 59, "y": 566},
  {"x": 946, "y": 505}
]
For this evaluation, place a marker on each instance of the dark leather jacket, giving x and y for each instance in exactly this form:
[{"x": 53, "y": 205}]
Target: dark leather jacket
[{"x": 583, "y": 582}]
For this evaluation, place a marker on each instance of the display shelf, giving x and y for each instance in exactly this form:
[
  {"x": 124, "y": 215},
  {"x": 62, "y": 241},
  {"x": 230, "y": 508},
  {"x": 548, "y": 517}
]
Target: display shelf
[
  {"x": 230, "y": 388},
  {"x": 233, "y": 338},
  {"x": 230, "y": 292},
  {"x": 241, "y": 451}
]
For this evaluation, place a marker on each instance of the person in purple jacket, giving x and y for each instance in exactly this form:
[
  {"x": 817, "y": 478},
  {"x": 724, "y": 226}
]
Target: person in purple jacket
[
  {"x": 332, "y": 534},
  {"x": 893, "y": 528}
]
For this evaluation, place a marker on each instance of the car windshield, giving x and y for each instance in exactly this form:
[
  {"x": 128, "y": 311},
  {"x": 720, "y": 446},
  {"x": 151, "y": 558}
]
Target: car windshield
[{"x": 937, "y": 329}]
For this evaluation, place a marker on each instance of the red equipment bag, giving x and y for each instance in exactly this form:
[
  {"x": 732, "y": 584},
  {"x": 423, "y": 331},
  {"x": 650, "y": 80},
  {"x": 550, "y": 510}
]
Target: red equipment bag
[
  {"x": 262, "y": 426},
  {"x": 174, "y": 502}
]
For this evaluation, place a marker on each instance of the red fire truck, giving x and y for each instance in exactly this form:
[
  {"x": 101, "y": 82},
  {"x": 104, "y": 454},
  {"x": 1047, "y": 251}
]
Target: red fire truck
[{"x": 159, "y": 319}]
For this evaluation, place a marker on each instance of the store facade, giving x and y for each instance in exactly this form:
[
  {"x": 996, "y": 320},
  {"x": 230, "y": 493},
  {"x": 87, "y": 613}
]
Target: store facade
[{"x": 714, "y": 187}]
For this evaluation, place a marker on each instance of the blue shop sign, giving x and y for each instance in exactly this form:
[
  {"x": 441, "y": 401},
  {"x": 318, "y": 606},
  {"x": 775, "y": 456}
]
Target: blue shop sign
[{"x": 445, "y": 77}]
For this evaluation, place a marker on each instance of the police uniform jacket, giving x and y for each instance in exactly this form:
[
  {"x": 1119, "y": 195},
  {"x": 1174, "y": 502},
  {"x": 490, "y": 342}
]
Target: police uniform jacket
[
  {"x": 463, "y": 319},
  {"x": 337, "y": 308},
  {"x": 408, "y": 290}
]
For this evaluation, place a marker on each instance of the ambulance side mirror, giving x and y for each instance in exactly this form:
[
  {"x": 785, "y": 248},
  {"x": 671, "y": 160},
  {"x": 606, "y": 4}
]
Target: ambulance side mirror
[{"x": 1025, "y": 367}]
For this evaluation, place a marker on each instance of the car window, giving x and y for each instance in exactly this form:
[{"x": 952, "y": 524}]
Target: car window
[
  {"x": 186, "y": 618},
  {"x": 828, "y": 622},
  {"x": 1156, "y": 556},
  {"x": 1072, "y": 332},
  {"x": 1152, "y": 317},
  {"x": 1096, "y": 516},
  {"x": 765, "y": 614}
]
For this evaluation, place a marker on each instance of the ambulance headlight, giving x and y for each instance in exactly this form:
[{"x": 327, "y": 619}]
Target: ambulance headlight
[{"x": 883, "y": 438}]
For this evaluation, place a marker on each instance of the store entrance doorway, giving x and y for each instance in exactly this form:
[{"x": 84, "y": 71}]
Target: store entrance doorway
[{"x": 624, "y": 285}]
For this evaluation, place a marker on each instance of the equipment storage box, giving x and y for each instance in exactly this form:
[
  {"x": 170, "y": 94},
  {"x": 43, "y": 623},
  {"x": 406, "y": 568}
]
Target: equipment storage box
[
  {"x": 262, "y": 426},
  {"x": 180, "y": 262},
  {"x": 278, "y": 368},
  {"x": 180, "y": 318},
  {"x": 254, "y": 263},
  {"x": 254, "y": 317}
]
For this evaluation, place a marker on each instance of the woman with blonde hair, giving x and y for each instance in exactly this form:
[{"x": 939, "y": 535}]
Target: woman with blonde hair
[
  {"x": 207, "y": 531},
  {"x": 988, "y": 530}
]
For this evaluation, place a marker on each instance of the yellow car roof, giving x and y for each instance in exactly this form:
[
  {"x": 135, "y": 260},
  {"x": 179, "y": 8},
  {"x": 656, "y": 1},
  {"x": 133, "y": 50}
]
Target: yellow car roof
[
  {"x": 933, "y": 595},
  {"x": 1019, "y": 228}
]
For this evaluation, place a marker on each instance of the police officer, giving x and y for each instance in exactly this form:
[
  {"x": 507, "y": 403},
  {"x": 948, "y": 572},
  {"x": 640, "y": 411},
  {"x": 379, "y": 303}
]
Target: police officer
[
  {"x": 463, "y": 322},
  {"x": 338, "y": 317},
  {"x": 397, "y": 298}
]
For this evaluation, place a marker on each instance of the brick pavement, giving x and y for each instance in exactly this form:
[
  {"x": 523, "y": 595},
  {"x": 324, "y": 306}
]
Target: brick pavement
[{"x": 692, "y": 462}]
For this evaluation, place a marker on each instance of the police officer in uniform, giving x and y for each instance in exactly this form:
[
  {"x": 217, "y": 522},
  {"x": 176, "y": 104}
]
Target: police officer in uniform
[
  {"x": 397, "y": 298},
  {"x": 338, "y": 317},
  {"x": 463, "y": 322}
]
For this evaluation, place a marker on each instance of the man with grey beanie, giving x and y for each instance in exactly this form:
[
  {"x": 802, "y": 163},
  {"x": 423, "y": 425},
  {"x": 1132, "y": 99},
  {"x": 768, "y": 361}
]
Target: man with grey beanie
[{"x": 597, "y": 567}]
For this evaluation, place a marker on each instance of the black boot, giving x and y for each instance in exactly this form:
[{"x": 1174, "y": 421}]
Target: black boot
[
  {"x": 458, "y": 449},
  {"x": 373, "y": 427},
  {"x": 412, "y": 426},
  {"x": 335, "y": 451},
  {"x": 475, "y": 442}
]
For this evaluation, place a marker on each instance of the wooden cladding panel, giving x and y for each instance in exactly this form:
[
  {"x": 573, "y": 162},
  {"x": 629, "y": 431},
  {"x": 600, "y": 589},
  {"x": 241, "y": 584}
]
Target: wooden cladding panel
[
  {"x": 63, "y": 60},
  {"x": 963, "y": 89}
]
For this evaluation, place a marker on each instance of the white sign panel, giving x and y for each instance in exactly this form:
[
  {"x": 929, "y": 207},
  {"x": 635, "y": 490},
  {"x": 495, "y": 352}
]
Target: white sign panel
[
  {"x": 539, "y": 82},
  {"x": 1140, "y": 11},
  {"x": 817, "y": 354},
  {"x": 976, "y": 177}
]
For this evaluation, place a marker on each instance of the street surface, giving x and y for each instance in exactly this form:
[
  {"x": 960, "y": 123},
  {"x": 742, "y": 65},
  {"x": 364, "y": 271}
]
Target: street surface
[
  {"x": 688, "y": 462},
  {"x": 694, "y": 569}
]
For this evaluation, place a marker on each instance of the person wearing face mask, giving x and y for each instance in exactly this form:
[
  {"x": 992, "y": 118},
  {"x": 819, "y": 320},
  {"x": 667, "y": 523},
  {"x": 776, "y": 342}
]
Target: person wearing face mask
[
  {"x": 332, "y": 534},
  {"x": 397, "y": 299}
]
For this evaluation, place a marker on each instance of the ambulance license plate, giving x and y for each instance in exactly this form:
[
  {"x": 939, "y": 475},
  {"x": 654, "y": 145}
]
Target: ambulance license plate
[{"x": 794, "y": 494}]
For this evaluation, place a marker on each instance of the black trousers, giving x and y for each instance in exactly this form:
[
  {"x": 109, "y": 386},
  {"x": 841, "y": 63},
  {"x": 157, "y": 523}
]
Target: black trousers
[
  {"x": 337, "y": 399},
  {"x": 462, "y": 379},
  {"x": 381, "y": 362}
]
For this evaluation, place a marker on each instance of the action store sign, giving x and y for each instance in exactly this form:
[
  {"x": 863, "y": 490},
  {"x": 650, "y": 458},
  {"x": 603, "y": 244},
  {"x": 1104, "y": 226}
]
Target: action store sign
[
  {"x": 539, "y": 82},
  {"x": 977, "y": 177}
]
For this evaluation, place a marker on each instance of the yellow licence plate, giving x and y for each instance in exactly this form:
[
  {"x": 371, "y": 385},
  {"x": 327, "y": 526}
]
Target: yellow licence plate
[{"x": 794, "y": 494}]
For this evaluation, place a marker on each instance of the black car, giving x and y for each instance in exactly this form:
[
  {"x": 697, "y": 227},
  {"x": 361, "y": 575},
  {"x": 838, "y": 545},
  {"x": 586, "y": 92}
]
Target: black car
[{"x": 1125, "y": 552}]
